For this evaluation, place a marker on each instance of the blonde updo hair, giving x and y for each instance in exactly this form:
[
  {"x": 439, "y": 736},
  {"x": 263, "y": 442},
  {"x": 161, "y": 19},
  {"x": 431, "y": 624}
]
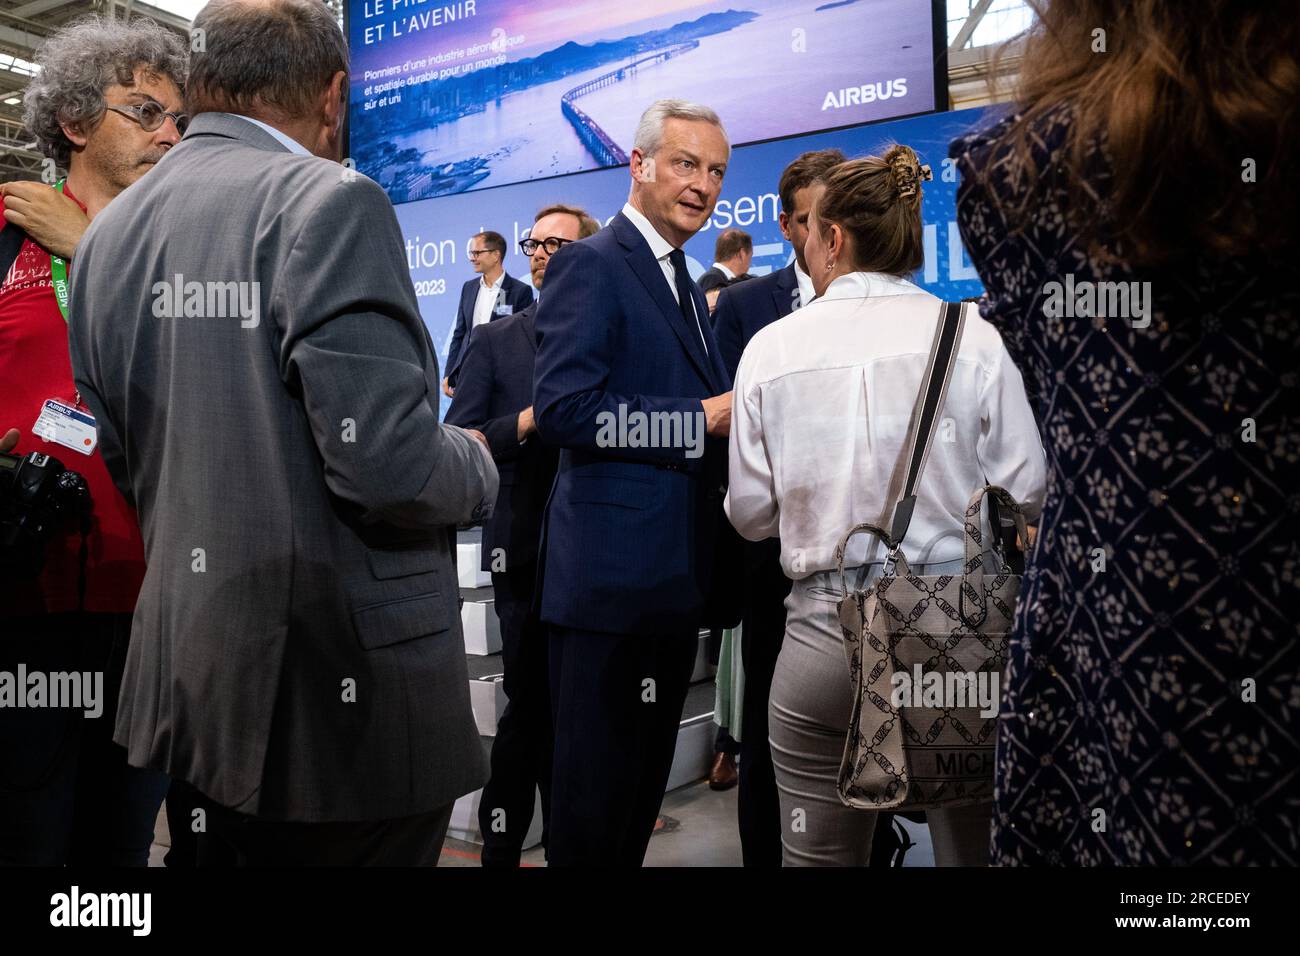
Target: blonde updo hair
[{"x": 877, "y": 201}]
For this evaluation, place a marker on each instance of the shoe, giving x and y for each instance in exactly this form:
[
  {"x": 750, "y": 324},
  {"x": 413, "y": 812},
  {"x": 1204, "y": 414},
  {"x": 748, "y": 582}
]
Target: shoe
[{"x": 723, "y": 776}]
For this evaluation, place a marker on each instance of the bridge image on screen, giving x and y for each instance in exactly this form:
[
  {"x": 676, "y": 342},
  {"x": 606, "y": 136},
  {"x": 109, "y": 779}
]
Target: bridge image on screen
[{"x": 448, "y": 97}]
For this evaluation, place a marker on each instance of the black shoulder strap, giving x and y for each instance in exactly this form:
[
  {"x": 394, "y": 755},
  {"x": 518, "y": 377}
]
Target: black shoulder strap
[
  {"x": 929, "y": 402},
  {"x": 11, "y": 241}
]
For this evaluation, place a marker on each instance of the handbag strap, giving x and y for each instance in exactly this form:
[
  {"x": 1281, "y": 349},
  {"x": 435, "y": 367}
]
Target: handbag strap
[{"x": 920, "y": 430}]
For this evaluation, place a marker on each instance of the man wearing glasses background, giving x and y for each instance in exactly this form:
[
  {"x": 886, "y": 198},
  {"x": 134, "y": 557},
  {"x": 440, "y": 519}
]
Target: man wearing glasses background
[
  {"x": 495, "y": 396},
  {"x": 104, "y": 106},
  {"x": 495, "y": 294}
]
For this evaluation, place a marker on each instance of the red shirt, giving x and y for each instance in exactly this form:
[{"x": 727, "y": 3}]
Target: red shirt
[{"x": 35, "y": 366}]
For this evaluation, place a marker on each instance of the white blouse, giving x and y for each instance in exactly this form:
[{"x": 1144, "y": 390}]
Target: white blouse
[{"x": 820, "y": 410}]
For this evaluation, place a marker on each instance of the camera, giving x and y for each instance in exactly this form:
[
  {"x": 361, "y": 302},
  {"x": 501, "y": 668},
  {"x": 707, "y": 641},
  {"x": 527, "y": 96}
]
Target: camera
[{"x": 38, "y": 498}]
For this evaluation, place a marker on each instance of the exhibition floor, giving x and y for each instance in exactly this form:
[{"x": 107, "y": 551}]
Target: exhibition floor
[{"x": 699, "y": 830}]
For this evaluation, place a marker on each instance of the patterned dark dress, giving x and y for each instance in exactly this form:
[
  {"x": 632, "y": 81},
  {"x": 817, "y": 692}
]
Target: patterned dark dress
[{"x": 1152, "y": 707}]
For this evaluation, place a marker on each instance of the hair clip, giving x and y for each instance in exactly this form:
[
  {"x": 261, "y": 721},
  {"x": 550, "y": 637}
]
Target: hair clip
[{"x": 907, "y": 183}]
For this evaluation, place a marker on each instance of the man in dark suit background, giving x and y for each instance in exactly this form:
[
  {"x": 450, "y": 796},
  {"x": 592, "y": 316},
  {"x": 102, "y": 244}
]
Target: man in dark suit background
[
  {"x": 630, "y": 384},
  {"x": 493, "y": 295},
  {"x": 744, "y": 308},
  {"x": 733, "y": 251},
  {"x": 495, "y": 396}
]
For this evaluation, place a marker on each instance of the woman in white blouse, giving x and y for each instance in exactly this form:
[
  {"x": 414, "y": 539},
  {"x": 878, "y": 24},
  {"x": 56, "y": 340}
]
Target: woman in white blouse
[{"x": 821, "y": 407}]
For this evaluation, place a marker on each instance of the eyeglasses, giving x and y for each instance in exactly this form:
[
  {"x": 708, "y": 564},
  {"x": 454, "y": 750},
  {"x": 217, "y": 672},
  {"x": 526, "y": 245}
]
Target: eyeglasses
[
  {"x": 151, "y": 116},
  {"x": 475, "y": 253},
  {"x": 551, "y": 245}
]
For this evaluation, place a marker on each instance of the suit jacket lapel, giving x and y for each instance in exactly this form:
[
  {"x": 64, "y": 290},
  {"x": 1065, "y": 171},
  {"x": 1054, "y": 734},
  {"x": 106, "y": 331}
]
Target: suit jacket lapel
[
  {"x": 468, "y": 295},
  {"x": 647, "y": 269},
  {"x": 528, "y": 327},
  {"x": 783, "y": 292}
]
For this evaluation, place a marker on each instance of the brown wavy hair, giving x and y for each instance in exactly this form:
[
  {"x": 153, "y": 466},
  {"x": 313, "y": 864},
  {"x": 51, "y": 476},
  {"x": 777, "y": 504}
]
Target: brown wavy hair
[
  {"x": 877, "y": 201},
  {"x": 1185, "y": 94}
]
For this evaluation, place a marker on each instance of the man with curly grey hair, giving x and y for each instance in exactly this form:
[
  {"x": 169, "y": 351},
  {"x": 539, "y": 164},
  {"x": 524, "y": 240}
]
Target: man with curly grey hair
[{"x": 104, "y": 106}]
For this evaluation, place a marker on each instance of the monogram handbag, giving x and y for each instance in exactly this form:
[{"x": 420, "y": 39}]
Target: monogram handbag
[{"x": 926, "y": 652}]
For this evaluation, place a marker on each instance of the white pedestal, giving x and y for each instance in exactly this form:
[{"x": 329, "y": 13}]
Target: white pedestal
[
  {"x": 478, "y": 621},
  {"x": 487, "y": 697},
  {"x": 469, "y": 558}
]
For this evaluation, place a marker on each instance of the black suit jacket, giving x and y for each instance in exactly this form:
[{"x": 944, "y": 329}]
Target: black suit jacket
[
  {"x": 495, "y": 385},
  {"x": 711, "y": 279},
  {"x": 746, "y": 307},
  {"x": 517, "y": 295}
]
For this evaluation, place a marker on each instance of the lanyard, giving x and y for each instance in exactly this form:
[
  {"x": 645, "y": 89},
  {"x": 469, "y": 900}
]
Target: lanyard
[{"x": 59, "y": 273}]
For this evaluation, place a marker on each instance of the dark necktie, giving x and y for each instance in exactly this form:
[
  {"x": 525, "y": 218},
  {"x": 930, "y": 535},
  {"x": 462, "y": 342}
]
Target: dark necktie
[{"x": 685, "y": 298}]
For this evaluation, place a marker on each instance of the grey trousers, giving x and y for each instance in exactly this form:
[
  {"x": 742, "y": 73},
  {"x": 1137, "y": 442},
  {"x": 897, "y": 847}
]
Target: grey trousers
[{"x": 808, "y": 719}]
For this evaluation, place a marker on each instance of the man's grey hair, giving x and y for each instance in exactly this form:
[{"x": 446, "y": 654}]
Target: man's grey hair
[
  {"x": 650, "y": 131},
  {"x": 80, "y": 62},
  {"x": 264, "y": 58}
]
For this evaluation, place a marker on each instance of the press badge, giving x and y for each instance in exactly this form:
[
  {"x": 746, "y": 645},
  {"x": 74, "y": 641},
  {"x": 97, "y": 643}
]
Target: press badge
[{"x": 66, "y": 425}]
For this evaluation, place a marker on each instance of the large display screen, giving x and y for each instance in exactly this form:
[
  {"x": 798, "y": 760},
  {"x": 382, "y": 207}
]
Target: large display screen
[{"x": 449, "y": 96}]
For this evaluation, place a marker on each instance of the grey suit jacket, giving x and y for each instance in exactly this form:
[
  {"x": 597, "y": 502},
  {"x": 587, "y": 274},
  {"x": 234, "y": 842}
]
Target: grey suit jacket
[{"x": 297, "y": 651}]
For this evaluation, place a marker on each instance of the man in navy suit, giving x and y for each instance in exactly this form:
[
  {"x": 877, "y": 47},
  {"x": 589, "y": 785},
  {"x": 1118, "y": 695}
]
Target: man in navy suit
[
  {"x": 733, "y": 251},
  {"x": 495, "y": 397},
  {"x": 631, "y": 385},
  {"x": 493, "y": 295},
  {"x": 743, "y": 309}
]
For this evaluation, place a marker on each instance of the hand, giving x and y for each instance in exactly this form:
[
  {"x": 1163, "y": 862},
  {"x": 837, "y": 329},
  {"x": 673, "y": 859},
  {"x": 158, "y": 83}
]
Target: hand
[
  {"x": 481, "y": 437},
  {"x": 447, "y": 389},
  {"x": 9, "y": 441},
  {"x": 527, "y": 425},
  {"x": 54, "y": 221},
  {"x": 717, "y": 415}
]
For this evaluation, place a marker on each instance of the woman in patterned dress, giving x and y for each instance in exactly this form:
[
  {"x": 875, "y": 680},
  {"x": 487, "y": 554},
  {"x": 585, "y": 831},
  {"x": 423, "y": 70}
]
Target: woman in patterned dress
[{"x": 1152, "y": 713}]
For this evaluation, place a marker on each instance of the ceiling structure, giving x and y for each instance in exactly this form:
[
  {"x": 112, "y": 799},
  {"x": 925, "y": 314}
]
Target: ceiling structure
[{"x": 25, "y": 23}]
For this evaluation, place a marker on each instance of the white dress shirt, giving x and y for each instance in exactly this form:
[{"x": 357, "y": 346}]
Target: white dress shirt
[
  {"x": 821, "y": 408},
  {"x": 661, "y": 248},
  {"x": 806, "y": 291},
  {"x": 486, "y": 300},
  {"x": 724, "y": 270},
  {"x": 291, "y": 144}
]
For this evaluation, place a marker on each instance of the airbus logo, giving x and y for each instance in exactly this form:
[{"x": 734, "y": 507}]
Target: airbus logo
[{"x": 866, "y": 93}]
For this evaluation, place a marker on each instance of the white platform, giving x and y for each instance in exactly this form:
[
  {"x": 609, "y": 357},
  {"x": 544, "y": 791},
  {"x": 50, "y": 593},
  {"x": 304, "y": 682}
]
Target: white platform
[
  {"x": 487, "y": 696},
  {"x": 469, "y": 558},
  {"x": 478, "y": 621}
]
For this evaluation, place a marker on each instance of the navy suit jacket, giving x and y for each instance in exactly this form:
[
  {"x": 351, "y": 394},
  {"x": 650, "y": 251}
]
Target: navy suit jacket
[
  {"x": 495, "y": 385},
  {"x": 630, "y": 533},
  {"x": 517, "y": 295},
  {"x": 746, "y": 307}
]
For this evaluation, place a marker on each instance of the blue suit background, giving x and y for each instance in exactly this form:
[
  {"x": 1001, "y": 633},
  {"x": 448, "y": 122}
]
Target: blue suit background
[
  {"x": 495, "y": 384},
  {"x": 748, "y": 306},
  {"x": 743, "y": 309},
  {"x": 513, "y": 296}
]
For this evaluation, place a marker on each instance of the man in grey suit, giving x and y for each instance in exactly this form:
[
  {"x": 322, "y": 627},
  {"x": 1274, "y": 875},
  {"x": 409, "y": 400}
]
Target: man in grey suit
[{"x": 244, "y": 329}]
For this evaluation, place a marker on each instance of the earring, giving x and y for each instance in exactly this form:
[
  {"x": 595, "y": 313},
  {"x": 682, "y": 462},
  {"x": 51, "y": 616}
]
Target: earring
[{"x": 830, "y": 266}]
